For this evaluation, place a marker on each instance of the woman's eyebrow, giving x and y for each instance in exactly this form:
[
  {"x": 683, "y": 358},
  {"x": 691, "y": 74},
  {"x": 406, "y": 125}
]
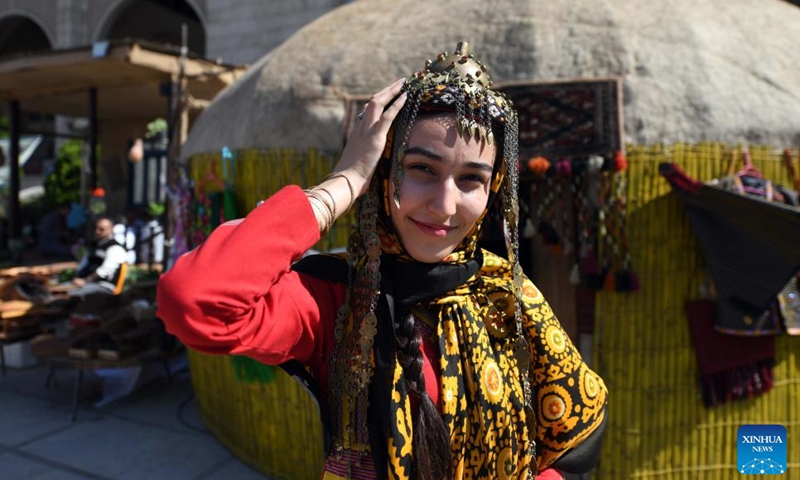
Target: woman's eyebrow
[
  {"x": 479, "y": 166},
  {"x": 435, "y": 156},
  {"x": 424, "y": 152}
]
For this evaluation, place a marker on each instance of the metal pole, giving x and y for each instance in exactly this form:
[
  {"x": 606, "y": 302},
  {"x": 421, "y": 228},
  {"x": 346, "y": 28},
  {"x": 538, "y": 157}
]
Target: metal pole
[
  {"x": 93, "y": 137},
  {"x": 14, "y": 224},
  {"x": 178, "y": 114}
]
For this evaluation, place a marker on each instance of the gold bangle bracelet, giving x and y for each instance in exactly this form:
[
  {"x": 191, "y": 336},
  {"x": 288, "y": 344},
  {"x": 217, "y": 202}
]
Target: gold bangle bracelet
[
  {"x": 315, "y": 195},
  {"x": 325, "y": 220},
  {"x": 333, "y": 200},
  {"x": 333, "y": 175}
]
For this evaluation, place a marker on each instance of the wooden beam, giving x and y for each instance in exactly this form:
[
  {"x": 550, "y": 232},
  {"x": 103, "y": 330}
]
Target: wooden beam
[{"x": 170, "y": 64}]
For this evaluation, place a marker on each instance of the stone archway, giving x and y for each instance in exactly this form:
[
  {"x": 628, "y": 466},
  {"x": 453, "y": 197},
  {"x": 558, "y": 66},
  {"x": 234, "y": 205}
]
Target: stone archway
[
  {"x": 155, "y": 20},
  {"x": 21, "y": 33}
]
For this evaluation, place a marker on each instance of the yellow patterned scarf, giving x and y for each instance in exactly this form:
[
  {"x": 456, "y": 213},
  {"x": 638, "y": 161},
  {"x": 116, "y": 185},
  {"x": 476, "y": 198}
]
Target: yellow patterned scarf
[{"x": 482, "y": 402}]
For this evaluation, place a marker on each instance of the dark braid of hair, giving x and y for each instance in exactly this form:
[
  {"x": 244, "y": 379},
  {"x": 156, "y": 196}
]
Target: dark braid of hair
[{"x": 431, "y": 444}]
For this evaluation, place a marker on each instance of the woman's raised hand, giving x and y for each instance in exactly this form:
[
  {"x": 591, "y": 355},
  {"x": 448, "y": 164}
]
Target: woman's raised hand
[
  {"x": 351, "y": 176},
  {"x": 367, "y": 138}
]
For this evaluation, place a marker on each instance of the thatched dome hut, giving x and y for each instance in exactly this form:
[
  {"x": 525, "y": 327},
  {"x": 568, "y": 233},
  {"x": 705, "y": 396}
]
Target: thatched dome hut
[{"x": 693, "y": 71}]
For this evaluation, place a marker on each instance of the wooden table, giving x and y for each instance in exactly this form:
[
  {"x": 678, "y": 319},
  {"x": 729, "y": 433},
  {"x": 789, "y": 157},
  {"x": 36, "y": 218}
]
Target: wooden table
[
  {"x": 21, "y": 320},
  {"x": 81, "y": 365},
  {"x": 62, "y": 289},
  {"x": 47, "y": 270}
]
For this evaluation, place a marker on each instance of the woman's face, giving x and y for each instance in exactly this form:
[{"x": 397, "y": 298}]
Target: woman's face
[{"x": 444, "y": 190}]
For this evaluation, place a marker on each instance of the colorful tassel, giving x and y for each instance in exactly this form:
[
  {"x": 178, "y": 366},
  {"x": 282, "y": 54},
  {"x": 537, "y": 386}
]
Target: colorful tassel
[
  {"x": 634, "y": 281},
  {"x": 620, "y": 163},
  {"x": 538, "y": 166},
  {"x": 594, "y": 163},
  {"x": 609, "y": 284},
  {"x": 575, "y": 275},
  {"x": 564, "y": 167},
  {"x": 529, "y": 231}
]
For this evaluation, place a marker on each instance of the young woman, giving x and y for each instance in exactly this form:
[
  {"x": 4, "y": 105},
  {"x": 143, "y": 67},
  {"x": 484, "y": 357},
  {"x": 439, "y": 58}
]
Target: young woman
[{"x": 437, "y": 360}]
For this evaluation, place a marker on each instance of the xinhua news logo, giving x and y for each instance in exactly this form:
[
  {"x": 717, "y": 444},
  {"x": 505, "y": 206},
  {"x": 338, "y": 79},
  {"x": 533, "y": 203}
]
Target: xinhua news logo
[{"x": 762, "y": 449}]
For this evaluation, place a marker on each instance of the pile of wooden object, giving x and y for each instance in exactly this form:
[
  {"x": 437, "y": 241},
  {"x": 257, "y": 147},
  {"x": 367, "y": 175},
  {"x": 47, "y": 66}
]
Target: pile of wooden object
[
  {"x": 104, "y": 327},
  {"x": 34, "y": 306},
  {"x": 25, "y": 301}
]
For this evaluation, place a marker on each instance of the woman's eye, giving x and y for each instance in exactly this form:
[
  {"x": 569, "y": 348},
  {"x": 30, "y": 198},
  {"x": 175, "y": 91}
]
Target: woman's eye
[
  {"x": 420, "y": 167},
  {"x": 476, "y": 179}
]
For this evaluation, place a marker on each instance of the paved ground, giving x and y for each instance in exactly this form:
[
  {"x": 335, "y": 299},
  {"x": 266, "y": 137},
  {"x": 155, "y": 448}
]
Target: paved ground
[{"x": 154, "y": 433}]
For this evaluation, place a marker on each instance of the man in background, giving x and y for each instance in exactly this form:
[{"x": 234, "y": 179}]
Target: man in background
[{"x": 100, "y": 268}]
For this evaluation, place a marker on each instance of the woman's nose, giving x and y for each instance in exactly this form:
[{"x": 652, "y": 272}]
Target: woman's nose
[{"x": 444, "y": 198}]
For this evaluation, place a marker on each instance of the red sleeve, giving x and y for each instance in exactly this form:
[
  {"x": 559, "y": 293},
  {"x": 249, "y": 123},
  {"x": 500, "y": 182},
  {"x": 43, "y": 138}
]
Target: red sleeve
[
  {"x": 236, "y": 293},
  {"x": 549, "y": 474}
]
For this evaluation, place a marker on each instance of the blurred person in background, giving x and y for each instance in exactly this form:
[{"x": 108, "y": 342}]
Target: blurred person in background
[
  {"x": 101, "y": 266},
  {"x": 53, "y": 234}
]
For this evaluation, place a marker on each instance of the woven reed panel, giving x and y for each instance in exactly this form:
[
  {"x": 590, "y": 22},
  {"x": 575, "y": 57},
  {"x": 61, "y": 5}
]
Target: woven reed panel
[
  {"x": 273, "y": 426},
  {"x": 658, "y": 427},
  {"x": 260, "y": 173}
]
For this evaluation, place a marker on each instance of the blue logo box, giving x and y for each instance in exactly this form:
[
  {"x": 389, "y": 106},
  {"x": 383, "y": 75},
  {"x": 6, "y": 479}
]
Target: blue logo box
[{"x": 761, "y": 449}]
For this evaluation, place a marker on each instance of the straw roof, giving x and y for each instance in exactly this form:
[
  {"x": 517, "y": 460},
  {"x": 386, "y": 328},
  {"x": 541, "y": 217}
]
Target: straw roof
[{"x": 716, "y": 70}]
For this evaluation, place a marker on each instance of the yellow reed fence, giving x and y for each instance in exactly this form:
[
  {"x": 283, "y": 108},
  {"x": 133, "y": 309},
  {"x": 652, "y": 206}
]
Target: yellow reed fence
[
  {"x": 658, "y": 427},
  {"x": 273, "y": 426},
  {"x": 260, "y": 173}
]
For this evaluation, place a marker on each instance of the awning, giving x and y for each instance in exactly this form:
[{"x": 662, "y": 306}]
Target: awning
[
  {"x": 127, "y": 75},
  {"x": 123, "y": 81}
]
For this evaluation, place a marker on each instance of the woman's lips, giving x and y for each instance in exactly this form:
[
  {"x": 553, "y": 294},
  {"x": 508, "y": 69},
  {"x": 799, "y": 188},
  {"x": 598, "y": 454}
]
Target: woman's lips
[{"x": 433, "y": 229}]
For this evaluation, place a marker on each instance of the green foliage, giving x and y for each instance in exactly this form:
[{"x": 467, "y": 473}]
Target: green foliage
[
  {"x": 156, "y": 209},
  {"x": 136, "y": 274},
  {"x": 66, "y": 275},
  {"x": 97, "y": 205},
  {"x": 155, "y": 127},
  {"x": 63, "y": 184}
]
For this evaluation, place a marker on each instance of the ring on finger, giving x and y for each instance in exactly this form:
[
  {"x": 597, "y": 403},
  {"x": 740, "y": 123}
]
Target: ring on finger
[{"x": 360, "y": 115}]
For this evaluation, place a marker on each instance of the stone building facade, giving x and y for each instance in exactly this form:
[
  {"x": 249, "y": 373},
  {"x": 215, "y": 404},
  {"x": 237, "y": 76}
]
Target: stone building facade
[{"x": 235, "y": 31}]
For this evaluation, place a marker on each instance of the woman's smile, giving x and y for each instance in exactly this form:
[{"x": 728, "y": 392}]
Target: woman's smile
[{"x": 433, "y": 229}]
